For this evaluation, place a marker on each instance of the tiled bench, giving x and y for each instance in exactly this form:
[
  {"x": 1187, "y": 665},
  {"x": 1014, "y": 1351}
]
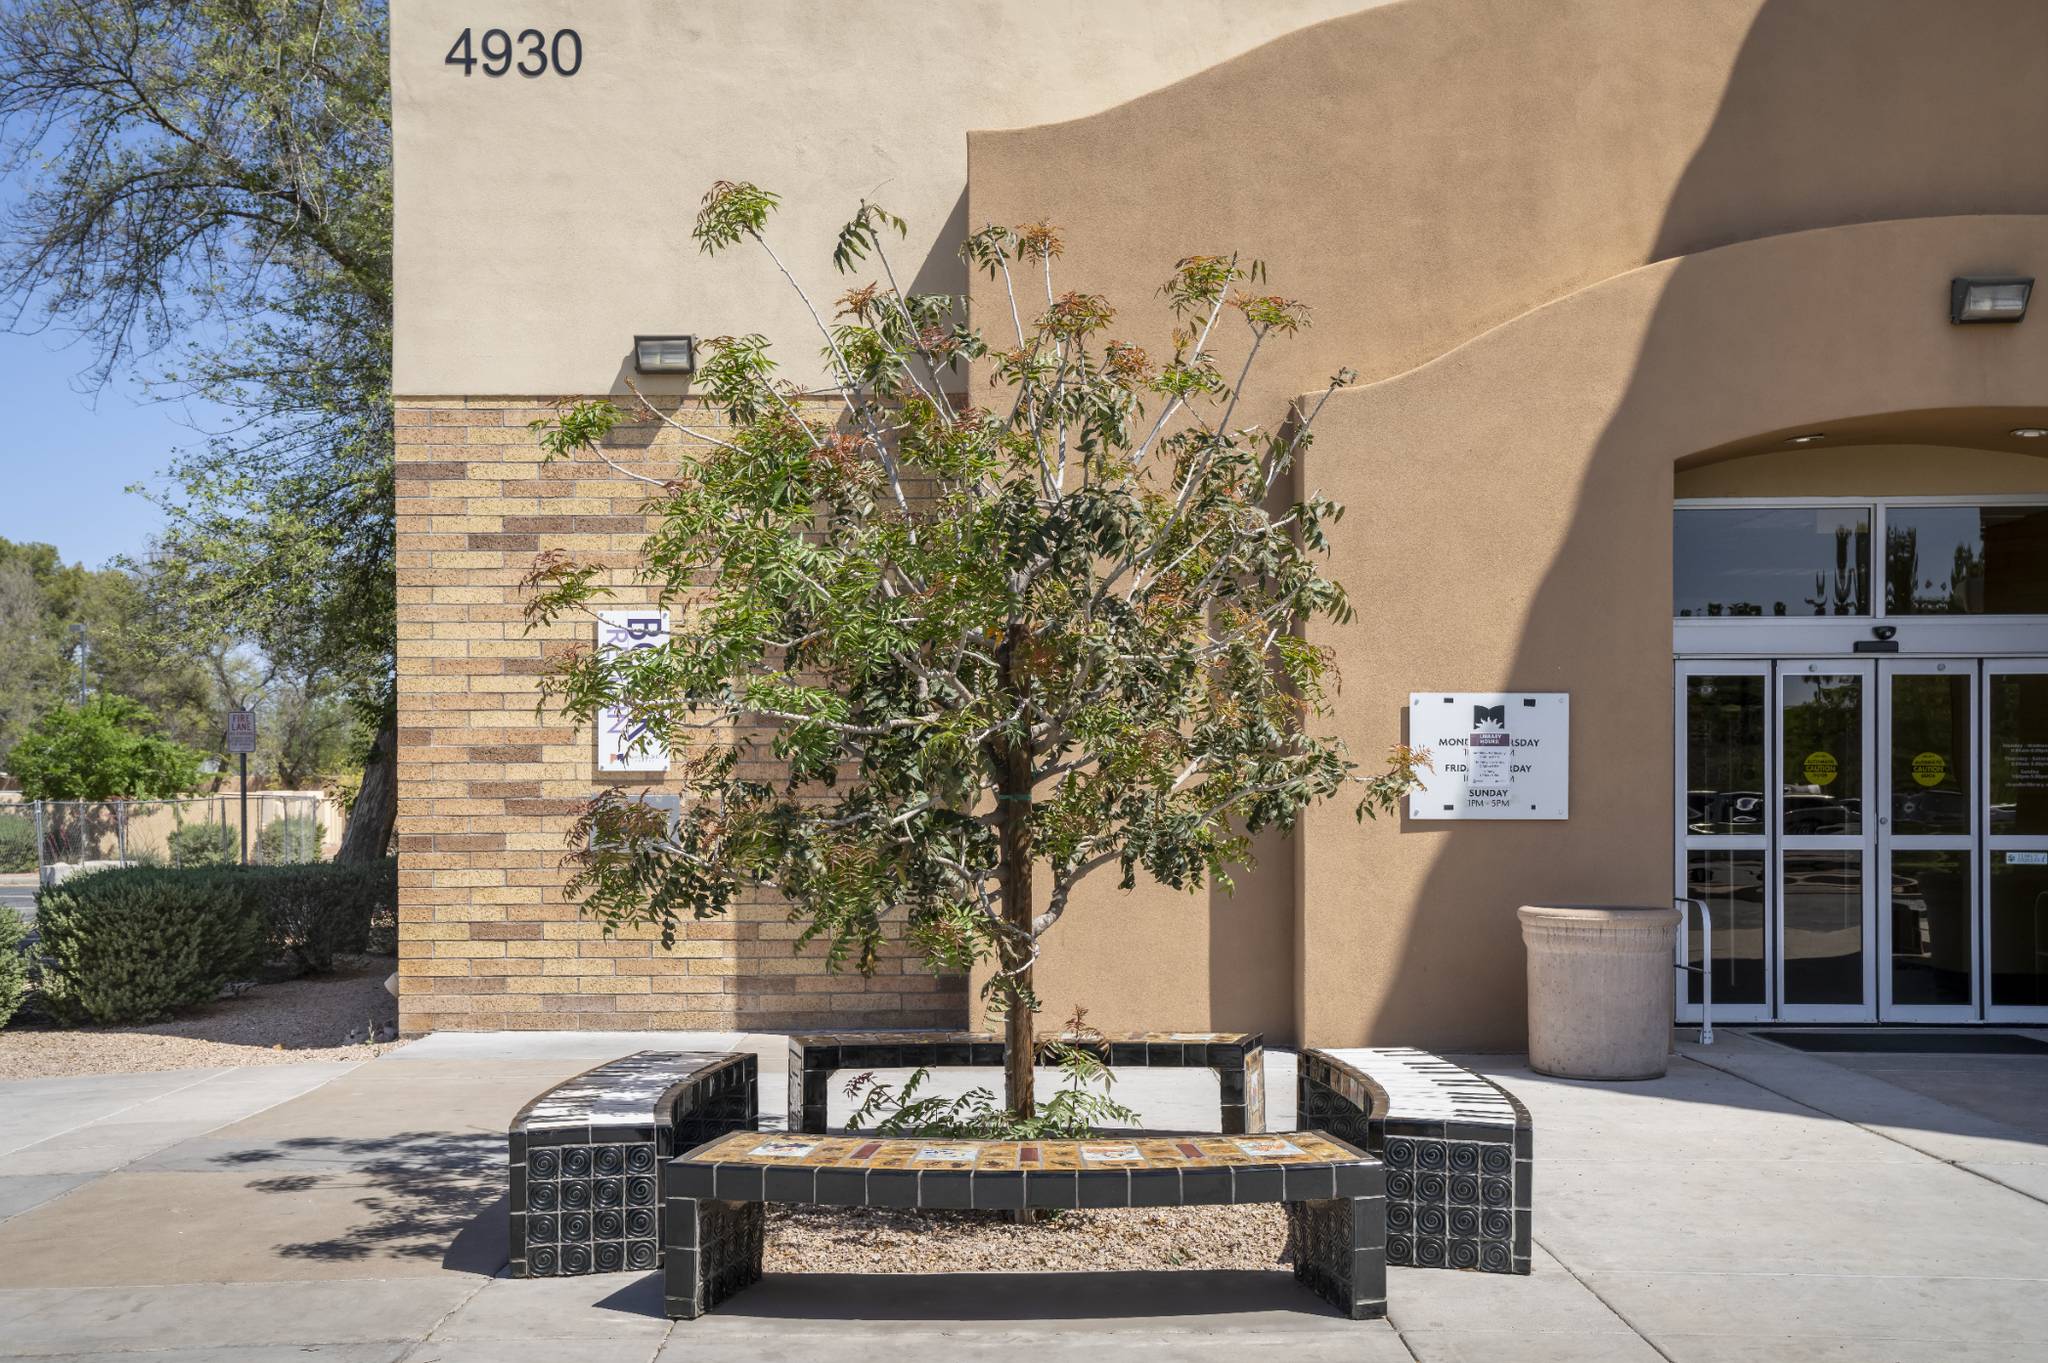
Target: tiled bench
[
  {"x": 1457, "y": 1147},
  {"x": 586, "y": 1156},
  {"x": 1237, "y": 1057},
  {"x": 716, "y": 1196}
]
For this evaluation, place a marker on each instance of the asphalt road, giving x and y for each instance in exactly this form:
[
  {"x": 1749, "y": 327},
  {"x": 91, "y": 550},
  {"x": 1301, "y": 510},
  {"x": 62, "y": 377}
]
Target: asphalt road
[{"x": 22, "y": 897}]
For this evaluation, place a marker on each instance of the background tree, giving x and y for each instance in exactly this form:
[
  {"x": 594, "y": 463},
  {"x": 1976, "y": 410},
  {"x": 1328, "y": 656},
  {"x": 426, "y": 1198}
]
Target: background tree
[
  {"x": 103, "y": 750},
  {"x": 205, "y": 187},
  {"x": 1054, "y": 636}
]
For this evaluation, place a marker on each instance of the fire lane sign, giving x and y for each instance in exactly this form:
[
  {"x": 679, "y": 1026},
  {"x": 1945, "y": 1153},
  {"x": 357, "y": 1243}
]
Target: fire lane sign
[
  {"x": 241, "y": 731},
  {"x": 1494, "y": 755}
]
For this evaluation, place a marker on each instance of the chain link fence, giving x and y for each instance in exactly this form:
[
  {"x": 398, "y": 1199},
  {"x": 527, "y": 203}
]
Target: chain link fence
[{"x": 45, "y": 835}]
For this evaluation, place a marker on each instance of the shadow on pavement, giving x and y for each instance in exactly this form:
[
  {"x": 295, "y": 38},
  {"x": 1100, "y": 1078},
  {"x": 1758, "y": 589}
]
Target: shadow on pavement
[
  {"x": 998, "y": 1296},
  {"x": 424, "y": 1194}
]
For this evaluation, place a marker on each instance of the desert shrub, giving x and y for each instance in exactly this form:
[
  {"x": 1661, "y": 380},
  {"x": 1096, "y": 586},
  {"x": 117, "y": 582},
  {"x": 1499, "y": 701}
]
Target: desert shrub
[
  {"x": 289, "y": 839},
  {"x": 318, "y": 910},
  {"x": 13, "y": 968},
  {"x": 202, "y": 844},
  {"x": 17, "y": 843},
  {"x": 130, "y": 945}
]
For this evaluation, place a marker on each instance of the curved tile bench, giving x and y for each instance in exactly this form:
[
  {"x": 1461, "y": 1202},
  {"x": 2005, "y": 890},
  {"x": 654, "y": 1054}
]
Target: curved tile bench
[
  {"x": 586, "y": 1156},
  {"x": 1458, "y": 1150},
  {"x": 1237, "y": 1057},
  {"x": 716, "y": 1196}
]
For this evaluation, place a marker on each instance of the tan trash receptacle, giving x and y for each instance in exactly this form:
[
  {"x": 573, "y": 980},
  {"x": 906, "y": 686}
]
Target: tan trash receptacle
[{"x": 1600, "y": 990}]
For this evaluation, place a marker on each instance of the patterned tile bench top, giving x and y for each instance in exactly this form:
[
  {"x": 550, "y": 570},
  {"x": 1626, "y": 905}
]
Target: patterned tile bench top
[
  {"x": 585, "y": 1156},
  {"x": 1459, "y": 1152},
  {"x": 1333, "y": 1193},
  {"x": 1237, "y": 1057}
]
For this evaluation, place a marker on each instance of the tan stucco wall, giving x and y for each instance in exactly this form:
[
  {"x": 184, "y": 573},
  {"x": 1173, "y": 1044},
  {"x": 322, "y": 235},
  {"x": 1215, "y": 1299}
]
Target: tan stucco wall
[
  {"x": 542, "y": 222},
  {"x": 1869, "y": 471},
  {"x": 1449, "y": 171}
]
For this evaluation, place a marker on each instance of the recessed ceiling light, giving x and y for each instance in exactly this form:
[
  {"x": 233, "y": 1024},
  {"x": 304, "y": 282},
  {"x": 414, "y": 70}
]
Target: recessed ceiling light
[
  {"x": 2030, "y": 432},
  {"x": 1809, "y": 439}
]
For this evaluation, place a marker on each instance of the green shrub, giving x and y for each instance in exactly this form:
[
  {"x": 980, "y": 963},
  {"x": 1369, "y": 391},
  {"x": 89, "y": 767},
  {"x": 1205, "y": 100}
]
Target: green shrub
[
  {"x": 289, "y": 839},
  {"x": 318, "y": 910},
  {"x": 17, "y": 843},
  {"x": 202, "y": 844},
  {"x": 130, "y": 945},
  {"x": 13, "y": 969}
]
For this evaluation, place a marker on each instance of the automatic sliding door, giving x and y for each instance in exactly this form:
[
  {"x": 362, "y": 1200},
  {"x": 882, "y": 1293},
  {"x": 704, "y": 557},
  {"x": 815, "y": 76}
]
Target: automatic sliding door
[
  {"x": 1927, "y": 841},
  {"x": 2016, "y": 876},
  {"x": 1824, "y": 851},
  {"x": 1723, "y": 847}
]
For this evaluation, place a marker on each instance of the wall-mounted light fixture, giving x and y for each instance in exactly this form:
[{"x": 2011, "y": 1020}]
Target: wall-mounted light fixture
[
  {"x": 2030, "y": 432},
  {"x": 1988, "y": 298},
  {"x": 665, "y": 354}
]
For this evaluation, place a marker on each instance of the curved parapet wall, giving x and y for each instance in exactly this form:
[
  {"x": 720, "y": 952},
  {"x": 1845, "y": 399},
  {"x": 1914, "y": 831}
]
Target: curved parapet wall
[{"x": 1427, "y": 170}]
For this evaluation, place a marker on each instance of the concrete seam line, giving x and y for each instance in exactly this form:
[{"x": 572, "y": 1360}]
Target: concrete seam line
[
  {"x": 1851, "y": 1121},
  {"x": 449, "y": 1314},
  {"x": 126, "y": 1107},
  {"x": 1617, "y": 1312}
]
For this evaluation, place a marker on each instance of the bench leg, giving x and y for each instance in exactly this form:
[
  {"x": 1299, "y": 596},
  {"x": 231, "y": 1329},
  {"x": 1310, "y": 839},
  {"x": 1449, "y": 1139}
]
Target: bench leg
[
  {"x": 1340, "y": 1252},
  {"x": 713, "y": 1253}
]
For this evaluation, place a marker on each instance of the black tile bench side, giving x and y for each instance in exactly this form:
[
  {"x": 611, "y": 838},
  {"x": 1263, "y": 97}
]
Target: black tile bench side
[
  {"x": 1434, "y": 1219},
  {"x": 549, "y": 1238}
]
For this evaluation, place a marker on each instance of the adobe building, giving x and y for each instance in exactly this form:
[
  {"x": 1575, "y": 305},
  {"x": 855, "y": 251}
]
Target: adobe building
[{"x": 1699, "y": 444}]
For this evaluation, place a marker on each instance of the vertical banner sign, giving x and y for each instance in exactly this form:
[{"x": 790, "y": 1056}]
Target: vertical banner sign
[
  {"x": 623, "y": 745},
  {"x": 1493, "y": 755}
]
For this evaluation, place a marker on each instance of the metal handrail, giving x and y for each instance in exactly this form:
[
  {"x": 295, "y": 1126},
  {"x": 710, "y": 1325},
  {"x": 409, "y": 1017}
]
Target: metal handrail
[{"x": 1705, "y": 969}]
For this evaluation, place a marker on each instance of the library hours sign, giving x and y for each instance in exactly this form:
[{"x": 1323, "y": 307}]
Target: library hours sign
[{"x": 1495, "y": 755}]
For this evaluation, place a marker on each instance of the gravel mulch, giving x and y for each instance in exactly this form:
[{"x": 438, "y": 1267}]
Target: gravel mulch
[
  {"x": 278, "y": 1023},
  {"x": 859, "y": 1240}
]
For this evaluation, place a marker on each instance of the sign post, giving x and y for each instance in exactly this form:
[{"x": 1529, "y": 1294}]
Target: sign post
[{"x": 242, "y": 742}]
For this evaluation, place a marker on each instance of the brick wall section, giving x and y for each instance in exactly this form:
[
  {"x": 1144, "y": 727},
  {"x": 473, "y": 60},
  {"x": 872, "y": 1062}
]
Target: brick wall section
[{"x": 488, "y": 786}]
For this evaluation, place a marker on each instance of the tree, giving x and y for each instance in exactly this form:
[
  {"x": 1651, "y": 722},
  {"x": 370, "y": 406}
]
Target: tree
[
  {"x": 1059, "y": 635},
  {"x": 220, "y": 171},
  {"x": 102, "y": 750}
]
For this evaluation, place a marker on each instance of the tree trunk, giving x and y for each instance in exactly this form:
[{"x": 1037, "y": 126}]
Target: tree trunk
[
  {"x": 368, "y": 835},
  {"x": 1013, "y": 807}
]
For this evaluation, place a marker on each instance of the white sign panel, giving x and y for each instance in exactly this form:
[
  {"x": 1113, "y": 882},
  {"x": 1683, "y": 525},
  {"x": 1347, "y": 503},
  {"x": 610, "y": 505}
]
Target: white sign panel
[
  {"x": 623, "y": 745},
  {"x": 241, "y": 731},
  {"x": 1496, "y": 755}
]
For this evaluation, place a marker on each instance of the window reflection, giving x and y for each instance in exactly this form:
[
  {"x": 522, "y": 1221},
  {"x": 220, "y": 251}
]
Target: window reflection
[
  {"x": 1770, "y": 561},
  {"x": 1732, "y": 885},
  {"x": 1823, "y": 916},
  {"x": 1724, "y": 754},
  {"x": 1930, "y": 763},
  {"x": 1966, "y": 560},
  {"x": 1930, "y": 908},
  {"x": 2019, "y": 929},
  {"x": 2019, "y": 754},
  {"x": 1822, "y": 789}
]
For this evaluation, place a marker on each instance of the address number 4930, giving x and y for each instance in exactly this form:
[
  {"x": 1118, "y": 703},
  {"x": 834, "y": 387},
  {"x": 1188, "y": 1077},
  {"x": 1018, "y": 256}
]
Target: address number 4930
[{"x": 532, "y": 53}]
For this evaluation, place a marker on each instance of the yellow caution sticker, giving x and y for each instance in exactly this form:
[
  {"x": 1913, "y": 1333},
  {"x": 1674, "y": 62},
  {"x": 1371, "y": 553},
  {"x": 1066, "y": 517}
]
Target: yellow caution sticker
[
  {"x": 1930, "y": 768},
  {"x": 1821, "y": 768}
]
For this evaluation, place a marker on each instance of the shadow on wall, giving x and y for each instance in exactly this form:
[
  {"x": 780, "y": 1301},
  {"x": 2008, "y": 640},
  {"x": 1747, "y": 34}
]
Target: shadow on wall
[{"x": 1780, "y": 332}]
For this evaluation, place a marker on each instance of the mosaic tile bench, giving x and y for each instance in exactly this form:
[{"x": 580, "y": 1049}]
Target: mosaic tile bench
[
  {"x": 586, "y": 1156},
  {"x": 1237, "y": 1057},
  {"x": 1458, "y": 1151},
  {"x": 716, "y": 1194}
]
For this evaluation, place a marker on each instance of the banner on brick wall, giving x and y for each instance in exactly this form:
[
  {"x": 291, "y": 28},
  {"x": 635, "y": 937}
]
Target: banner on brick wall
[{"x": 622, "y": 743}]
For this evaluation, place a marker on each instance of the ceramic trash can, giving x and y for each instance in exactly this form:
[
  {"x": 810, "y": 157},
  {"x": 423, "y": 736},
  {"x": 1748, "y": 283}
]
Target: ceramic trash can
[{"x": 1600, "y": 989}]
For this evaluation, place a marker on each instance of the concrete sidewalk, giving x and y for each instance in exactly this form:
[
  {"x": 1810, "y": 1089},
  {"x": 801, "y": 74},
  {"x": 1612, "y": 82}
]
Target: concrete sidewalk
[{"x": 1755, "y": 1204}]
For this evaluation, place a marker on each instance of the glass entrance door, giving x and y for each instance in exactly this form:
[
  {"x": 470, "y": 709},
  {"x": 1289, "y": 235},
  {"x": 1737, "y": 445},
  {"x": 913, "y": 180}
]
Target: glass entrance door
[
  {"x": 1871, "y": 837},
  {"x": 2015, "y": 787},
  {"x": 1927, "y": 841},
  {"x": 1821, "y": 801}
]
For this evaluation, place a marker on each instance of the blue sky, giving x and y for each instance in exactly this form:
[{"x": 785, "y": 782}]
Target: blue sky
[{"x": 67, "y": 459}]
